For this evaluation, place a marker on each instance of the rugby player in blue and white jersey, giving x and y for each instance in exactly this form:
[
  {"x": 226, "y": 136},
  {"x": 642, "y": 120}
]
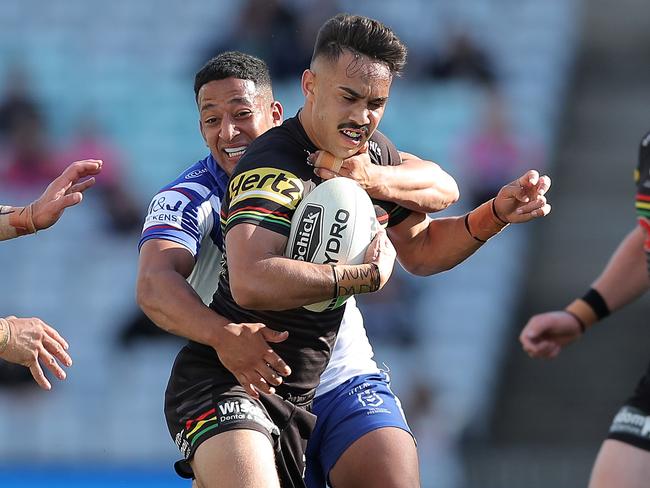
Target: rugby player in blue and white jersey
[{"x": 180, "y": 253}]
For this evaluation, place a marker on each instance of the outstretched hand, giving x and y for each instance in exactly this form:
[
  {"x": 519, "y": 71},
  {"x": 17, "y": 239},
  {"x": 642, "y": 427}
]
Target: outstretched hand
[
  {"x": 523, "y": 199},
  {"x": 65, "y": 191},
  {"x": 32, "y": 343}
]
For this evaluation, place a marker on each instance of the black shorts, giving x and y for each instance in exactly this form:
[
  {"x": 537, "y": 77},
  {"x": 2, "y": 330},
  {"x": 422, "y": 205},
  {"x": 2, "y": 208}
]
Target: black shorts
[
  {"x": 203, "y": 399},
  {"x": 632, "y": 422}
]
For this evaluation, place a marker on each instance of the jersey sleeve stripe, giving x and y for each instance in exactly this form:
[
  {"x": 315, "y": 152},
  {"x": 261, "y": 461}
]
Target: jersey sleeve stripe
[
  {"x": 644, "y": 212},
  {"x": 159, "y": 227},
  {"x": 645, "y": 198},
  {"x": 258, "y": 217},
  {"x": 284, "y": 215},
  {"x": 266, "y": 195},
  {"x": 168, "y": 237}
]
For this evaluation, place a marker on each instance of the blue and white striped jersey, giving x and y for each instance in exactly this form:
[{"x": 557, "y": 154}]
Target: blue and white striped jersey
[{"x": 186, "y": 211}]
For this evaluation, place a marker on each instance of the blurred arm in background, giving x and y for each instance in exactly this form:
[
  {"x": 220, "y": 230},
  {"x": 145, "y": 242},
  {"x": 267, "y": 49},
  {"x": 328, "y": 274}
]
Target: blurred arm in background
[
  {"x": 624, "y": 279},
  {"x": 26, "y": 341}
]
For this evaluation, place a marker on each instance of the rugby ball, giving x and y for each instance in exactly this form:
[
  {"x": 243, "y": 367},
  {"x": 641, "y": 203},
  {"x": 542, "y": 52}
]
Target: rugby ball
[{"x": 333, "y": 224}]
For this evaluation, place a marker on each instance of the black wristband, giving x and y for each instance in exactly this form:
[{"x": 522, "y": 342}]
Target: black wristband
[
  {"x": 470, "y": 232},
  {"x": 494, "y": 212},
  {"x": 596, "y": 301}
]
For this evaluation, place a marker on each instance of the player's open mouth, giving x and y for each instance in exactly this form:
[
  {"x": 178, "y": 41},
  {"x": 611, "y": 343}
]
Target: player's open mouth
[
  {"x": 234, "y": 152},
  {"x": 353, "y": 135}
]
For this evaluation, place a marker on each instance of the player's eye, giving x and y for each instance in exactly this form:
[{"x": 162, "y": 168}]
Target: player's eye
[{"x": 243, "y": 114}]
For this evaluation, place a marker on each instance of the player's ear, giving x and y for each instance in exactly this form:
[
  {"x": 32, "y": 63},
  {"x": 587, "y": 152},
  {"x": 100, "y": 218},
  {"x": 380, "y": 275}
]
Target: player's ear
[
  {"x": 308, "y": 80},
  {"x": 277, "y": 111}
]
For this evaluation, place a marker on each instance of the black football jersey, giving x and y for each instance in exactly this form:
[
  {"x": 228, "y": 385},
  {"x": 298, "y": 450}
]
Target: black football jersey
[{"x": 268, "y": 184}]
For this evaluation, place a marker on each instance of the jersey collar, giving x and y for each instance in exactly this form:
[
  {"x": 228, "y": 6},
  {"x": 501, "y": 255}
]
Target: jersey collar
[{"x": 219, "y": 175}]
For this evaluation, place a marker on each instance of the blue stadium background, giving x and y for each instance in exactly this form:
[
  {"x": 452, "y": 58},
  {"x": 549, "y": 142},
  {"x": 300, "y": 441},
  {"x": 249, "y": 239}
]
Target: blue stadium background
[{"x": 128, "y": 66}]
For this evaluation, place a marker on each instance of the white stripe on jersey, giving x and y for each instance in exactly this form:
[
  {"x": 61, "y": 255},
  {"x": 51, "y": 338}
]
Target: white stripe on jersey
[
  {"x": 352, "y": 354},
  {"x": 202, "y": 190}
]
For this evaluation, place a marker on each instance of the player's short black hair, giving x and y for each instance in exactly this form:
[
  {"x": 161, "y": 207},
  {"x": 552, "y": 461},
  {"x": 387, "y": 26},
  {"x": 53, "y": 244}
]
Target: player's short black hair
[
  {"x": 233, "y": 64},
  {"x": 361, "y": 35}
]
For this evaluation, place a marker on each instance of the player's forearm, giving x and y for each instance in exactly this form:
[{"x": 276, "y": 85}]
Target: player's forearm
[
  {"x": 15, "y": 222},
  {"x": 625, "y": 277},
  {"x": 173, "y": 305},
  {"x": 279, "y": 283},
  {"x": 438, "y": 246},
  {"x": 418, "y": 185}
]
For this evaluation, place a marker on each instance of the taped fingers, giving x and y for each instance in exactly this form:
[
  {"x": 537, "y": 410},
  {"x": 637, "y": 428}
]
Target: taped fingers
[{"x": 328, "y": 161}]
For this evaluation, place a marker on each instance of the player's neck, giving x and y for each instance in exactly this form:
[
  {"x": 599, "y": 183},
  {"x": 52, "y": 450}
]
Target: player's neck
[{"x": 305, "y": 118}]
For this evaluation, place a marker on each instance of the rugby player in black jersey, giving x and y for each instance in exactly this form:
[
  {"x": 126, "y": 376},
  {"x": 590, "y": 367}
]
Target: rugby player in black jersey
[
  {"x": 345, "y": 93},
  {"x": 624, "y": 458},
  {"x": 181, "y": 243}
]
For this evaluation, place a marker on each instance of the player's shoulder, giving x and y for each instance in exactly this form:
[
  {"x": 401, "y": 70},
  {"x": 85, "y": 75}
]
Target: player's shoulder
[
  {"x": 282, "y": 147},
  {"x": 642, "y": 171},
  {"x": 382, "y": 151},
  {"x": 194, "y": 186},
  {"x": 645, "y": 140},
  {"x": 195, "y": 182},
  {"x": 644, "y": 151}
]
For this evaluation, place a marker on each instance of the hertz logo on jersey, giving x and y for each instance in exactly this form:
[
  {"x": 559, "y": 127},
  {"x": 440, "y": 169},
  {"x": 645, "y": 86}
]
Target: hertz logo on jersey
[{"x": 273, "y": 184}]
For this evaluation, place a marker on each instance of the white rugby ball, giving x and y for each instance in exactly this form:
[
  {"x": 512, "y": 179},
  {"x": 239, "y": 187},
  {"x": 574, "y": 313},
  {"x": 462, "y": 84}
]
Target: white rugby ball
[{"x": 333, "y": 224}]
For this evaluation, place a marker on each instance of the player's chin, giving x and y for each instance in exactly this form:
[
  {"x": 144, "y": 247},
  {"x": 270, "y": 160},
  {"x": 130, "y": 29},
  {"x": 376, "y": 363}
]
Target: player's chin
[{"x": 227, "y": 163}]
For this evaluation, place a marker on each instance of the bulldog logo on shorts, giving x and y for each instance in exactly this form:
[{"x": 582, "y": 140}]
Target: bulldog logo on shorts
[{"x": 369, "y": 398}]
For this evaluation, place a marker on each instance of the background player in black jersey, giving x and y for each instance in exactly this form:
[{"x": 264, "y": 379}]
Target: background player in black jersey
[
  {"x": 30, "y": 341},
  {"x": 624, "y": 458}
]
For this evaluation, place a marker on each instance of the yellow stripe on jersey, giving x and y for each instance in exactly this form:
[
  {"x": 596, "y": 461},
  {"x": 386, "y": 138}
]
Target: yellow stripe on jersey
[{"x": 279, "y": 186}]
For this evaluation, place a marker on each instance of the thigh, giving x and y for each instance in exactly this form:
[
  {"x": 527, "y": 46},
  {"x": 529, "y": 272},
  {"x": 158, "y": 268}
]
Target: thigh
[
  {"x": 360, "y": 417},
  {"x": 384, "y": 458},
  {"x": 620, "y": 465},
  {"x": 624, "y": 458},
  {"x": 235, "y": 458},
  {"x": 201, "y": 402}
]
